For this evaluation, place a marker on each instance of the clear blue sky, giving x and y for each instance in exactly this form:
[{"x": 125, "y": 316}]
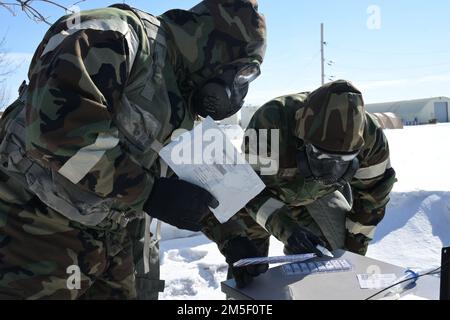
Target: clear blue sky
[{"x": 407, "y": 57}]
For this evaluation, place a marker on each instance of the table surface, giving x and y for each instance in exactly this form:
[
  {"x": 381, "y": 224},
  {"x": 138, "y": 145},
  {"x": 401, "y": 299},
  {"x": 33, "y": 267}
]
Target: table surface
[{"x": 275, "y": 285}]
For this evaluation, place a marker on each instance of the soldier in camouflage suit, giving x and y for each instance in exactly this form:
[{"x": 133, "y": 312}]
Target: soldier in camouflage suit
[
  {"x": 79, "y": 149},
  {"x": 332, "y": 185}
]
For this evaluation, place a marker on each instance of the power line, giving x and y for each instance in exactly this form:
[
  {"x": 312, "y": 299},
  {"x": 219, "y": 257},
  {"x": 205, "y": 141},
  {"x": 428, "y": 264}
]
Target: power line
[
  {"x": 414, "y": 68},
  {"x": 309, "y": 62},
  {"x": 407, "y": 77},
  {"x": 342, "y": 48},
  {"x": 392, "y": 68}
]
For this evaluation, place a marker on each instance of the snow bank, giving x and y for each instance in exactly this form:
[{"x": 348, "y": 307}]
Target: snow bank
[{"x": 416, "y": 227}]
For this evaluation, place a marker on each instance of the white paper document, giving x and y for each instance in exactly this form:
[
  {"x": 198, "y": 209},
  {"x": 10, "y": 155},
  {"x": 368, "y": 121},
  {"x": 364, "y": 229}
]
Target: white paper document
[
  {"x": 376, "y": 280},
  {"x": 207, "y": 158}
]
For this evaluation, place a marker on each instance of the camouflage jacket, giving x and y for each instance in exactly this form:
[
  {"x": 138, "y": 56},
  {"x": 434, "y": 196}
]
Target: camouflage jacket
[
  {"x": 95, "y": 109},
  {"x": 107, "y": 89},
  {"x": 287, "y": 189}
]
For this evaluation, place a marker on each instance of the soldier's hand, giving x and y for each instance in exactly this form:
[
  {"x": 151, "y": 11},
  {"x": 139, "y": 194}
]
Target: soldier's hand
[
  {"x": 242, "y": 248},
  {"x": 302, "y": 241},
  {"x": 179, "y": 203}
]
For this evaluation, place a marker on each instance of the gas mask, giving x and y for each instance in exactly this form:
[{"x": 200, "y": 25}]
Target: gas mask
[
  {"x": 223, "y": 96},
  {"x": 326, "y": 168}
]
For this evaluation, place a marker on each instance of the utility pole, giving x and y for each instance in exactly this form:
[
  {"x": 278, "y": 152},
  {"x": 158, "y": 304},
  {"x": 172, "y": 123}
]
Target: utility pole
[{"x": 322, "y": 60}]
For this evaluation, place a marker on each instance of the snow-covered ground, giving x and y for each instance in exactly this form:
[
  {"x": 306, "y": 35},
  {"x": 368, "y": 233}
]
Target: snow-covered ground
[{"x": 416, "y": 226}]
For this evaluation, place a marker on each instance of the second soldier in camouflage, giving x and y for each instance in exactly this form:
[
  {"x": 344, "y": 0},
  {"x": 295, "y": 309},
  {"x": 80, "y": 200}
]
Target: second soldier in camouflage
[{"x": 333, "y": 180}]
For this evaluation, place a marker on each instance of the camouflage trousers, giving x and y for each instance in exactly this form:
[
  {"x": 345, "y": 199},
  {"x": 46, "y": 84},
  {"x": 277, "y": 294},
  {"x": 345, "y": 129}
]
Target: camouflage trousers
[{"x": 43, "y": 255}]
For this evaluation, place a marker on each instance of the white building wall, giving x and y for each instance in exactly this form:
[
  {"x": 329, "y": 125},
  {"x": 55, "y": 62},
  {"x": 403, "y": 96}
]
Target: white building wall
[
  {"x": 427, "y": 112},
  {"x": 410, "y": 118}
]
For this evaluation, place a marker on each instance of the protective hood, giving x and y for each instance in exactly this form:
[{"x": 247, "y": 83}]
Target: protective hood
[
  {"x": 333, "y": 118},
  {"x": 212, "y": 34}
]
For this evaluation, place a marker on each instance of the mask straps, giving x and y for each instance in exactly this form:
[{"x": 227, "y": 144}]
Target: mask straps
[
  {"x": 351, "y": 171},
  {"x": 303, "y": 164}
]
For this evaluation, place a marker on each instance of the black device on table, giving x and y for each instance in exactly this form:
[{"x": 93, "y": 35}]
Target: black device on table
[{"x": 445, "y": 274}]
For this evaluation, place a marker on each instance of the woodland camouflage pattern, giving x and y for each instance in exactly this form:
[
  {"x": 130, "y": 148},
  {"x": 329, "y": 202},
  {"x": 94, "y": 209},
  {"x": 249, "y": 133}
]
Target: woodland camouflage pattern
[
  {"x": 333, "y": 118},
  {"x": 236, "y": 34},
  {"x": 371, "y": 185},
  {"x": 76, "y": 89},
  {"x": 104, "y": 88},
  {"x": 37, "y": 245}
]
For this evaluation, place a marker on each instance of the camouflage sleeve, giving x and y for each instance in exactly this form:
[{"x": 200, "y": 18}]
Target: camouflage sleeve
[
  {"x": 272, "y": 215},
  {"x": 77, "y": 79},
  {"x": 222, "y": 233},
  {"x": 241, "y": 224},
  {"x": 371, "y": 186}
]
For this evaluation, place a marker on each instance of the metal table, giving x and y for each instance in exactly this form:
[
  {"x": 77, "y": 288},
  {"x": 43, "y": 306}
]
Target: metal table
[{"x": 275, "y": 285}]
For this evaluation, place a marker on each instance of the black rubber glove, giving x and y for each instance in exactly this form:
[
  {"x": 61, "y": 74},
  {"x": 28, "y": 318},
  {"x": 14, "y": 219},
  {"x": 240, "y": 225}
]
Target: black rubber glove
[
  {"x": 179, "y": 203},
  {"x": 302, "y": 241},
  {"x": 242, "y": 248}
]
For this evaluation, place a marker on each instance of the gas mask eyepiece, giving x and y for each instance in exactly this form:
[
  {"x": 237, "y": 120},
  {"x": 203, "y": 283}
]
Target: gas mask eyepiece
[{"x": 326, "y": 168}]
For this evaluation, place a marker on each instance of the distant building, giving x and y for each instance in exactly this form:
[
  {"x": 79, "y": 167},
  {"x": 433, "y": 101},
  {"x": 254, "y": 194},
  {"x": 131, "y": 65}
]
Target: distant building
[
  {"x": 388, "y": 120},
  {"x": 414, "y": 112}
]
